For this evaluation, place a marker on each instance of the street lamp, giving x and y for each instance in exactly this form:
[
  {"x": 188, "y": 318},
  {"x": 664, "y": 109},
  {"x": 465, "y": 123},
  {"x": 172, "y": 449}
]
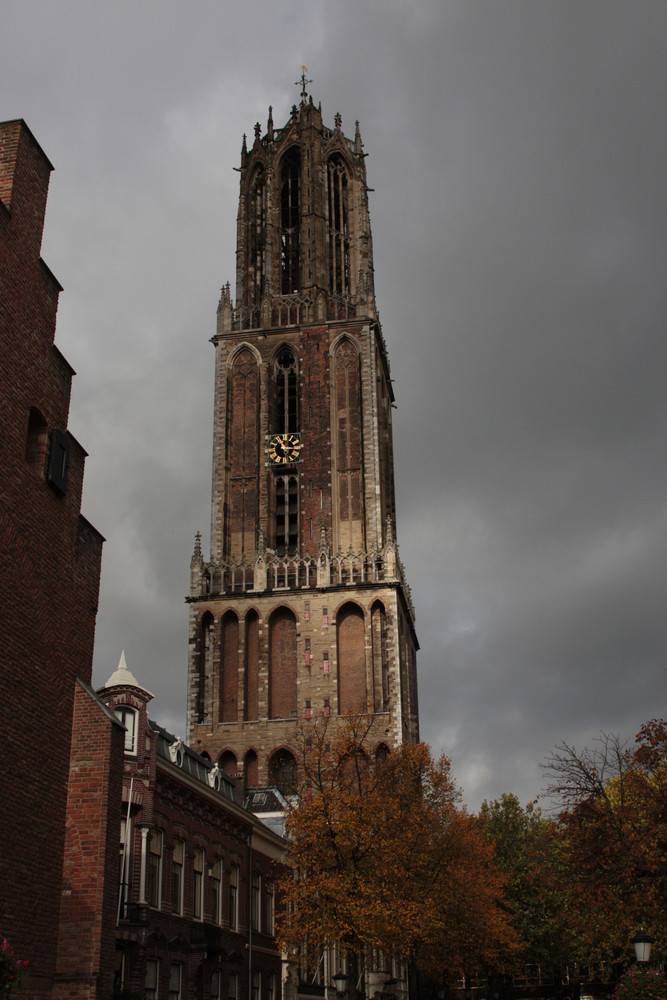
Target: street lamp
[
  {"x": 643, "y": 942},
  {"x": 340, "y": 982}
]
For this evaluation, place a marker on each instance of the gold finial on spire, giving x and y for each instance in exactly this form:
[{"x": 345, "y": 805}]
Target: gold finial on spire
[{"x": 303, "y": 82}]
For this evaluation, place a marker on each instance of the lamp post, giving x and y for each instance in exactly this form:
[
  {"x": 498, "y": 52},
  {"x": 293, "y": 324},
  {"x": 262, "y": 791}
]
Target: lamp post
[
  {"x": 340, "y": 982},
  {"x": 643, "y": 943}
]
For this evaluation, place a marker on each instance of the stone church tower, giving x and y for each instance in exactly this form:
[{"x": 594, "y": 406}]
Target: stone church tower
[{"x": 302, "y": 610}]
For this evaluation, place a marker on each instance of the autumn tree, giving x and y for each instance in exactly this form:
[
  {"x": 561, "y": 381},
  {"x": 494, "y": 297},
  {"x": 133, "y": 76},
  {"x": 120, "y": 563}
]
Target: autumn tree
[
  {"x": 613, "y": 829},
  {"x": 381, "y": 855}
]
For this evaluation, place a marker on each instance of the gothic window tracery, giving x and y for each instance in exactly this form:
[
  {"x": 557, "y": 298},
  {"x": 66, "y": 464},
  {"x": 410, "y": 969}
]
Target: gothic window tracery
[
  {"x": 287, "y": 515},
  {"x": 338, "y": 226},
  {"x": 257, "y": 242},
  {"x": 348, "y": 454},
  {"x": 243, "y": 451},
  {"x": 290, "y": 170},
  {"x": 286, "y": 420}
]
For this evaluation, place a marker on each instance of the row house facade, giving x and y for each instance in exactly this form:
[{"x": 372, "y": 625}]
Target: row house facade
[{"x": 196, "y": 901}]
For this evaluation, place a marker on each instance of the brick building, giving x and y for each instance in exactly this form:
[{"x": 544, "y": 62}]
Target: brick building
[
  {"x": 302, "y": 609},
  {"x": 195, "y": 912},
  {"x": 60, "y": 744}
]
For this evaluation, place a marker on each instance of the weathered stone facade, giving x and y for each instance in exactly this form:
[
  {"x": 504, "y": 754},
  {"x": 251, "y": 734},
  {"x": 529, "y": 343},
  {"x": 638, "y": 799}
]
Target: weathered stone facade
[{"x": 302, "y": 610}]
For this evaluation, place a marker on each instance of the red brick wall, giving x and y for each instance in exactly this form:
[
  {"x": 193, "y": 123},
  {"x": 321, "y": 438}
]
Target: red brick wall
[
  {"x": 49, "y": 572},
  {"x": 90, "y": 877}
]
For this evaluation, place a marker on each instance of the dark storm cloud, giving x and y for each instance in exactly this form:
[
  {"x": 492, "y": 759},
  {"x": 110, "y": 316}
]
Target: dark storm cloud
[{"x": 517, "y": 154}]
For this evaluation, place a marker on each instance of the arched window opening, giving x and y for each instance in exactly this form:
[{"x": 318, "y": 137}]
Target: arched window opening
[
  {"x": 380, "y": 657},
  {"x": 128, "y": 716},
  {"x": 282, "y": 665},
  {"x": 251, "y": 712},
  {"x": 250, "y": 770},
  {"x": 282, "y": 771},
  {"x": 243, "y": 449},
  {"x": 204, "y": 667},
  {"x": 339, "y": 241},
  {"x": 381, "y": 754},
  {"x": 290, "y": 169},
  {"x": 257, "y": 233},
  {"x": 349, "y": 447},
  {"x": 229, "y": 668},
  {"x": 287, "y": 515},
  {"x": 286, "y": 414},
  {"x": 351, "y": 660},
  {"x": 228, "y": 763}
]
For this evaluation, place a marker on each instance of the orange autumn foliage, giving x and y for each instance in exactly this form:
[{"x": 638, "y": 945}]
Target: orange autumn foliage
[{"x": 382, "y": 855}]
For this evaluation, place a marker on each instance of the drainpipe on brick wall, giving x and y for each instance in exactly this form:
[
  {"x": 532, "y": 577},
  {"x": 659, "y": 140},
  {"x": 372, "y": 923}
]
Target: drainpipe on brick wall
[
  {"x": 144, "y": 858},
  {"x": 124, "y": 865}
]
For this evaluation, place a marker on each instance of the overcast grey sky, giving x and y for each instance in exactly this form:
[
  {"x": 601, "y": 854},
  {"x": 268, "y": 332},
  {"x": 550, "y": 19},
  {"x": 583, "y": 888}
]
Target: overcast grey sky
[{"x": 518, "y": 156}]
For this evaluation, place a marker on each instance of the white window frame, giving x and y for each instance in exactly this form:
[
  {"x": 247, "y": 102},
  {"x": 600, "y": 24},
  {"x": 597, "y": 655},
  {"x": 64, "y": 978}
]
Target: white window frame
[
  {"x": 198, "y": 871},
  {"x": 177, "y": 876},
  {"x": 154, "y": 899},
  {"x": 152, "y": 982},
  {"x": 256, "y": 901},
  {"x": 234, "y": 880},
  {"x": 215, "y": 988},
  {"x": 126, "y": 713},
  {"x": 216, "y": 873},
  {"x": 270, "y": 910},
  {"x": 175, "y": 980}
]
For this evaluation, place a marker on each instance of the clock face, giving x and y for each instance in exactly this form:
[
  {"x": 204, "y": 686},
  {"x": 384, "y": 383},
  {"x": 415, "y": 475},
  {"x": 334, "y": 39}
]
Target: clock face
[{"x": 284, "y": 449}]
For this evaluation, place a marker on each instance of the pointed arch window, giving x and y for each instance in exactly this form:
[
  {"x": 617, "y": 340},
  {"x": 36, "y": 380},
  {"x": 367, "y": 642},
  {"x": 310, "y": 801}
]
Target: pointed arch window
[
  {"x": 251, "y": 666},
  {"x": 228, "y": 763},
  {"x": 229, "y": 668},
  {"x": 286, "y": 401},
  {"x": 204, "y": 667},
  {"x": 380, "y": 657},
  {"x": 250, "y": 770},
  {"x": 282, "y": 771},
  {"x": 290, "y": 170},
  {"x": 338, "y": 226},
  {"x": 243, "y": 449},
  {"x": 282, "y": 665},
  {"x": 287, "y": 515},
  {"x": 348, "y": 423},
  {"x": 257, "y": 241},
  {"x": 351, "y": 655}
]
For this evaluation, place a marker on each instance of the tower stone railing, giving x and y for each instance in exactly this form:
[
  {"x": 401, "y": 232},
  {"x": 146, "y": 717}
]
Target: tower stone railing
[{"x": 271, "y": 572}]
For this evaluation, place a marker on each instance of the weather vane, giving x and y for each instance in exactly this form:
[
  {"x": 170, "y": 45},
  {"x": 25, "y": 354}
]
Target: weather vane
[{"x": 303, "y": 82}]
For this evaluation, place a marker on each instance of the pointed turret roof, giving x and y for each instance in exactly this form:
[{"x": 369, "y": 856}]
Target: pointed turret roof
[{"x": 121, "y": 677}]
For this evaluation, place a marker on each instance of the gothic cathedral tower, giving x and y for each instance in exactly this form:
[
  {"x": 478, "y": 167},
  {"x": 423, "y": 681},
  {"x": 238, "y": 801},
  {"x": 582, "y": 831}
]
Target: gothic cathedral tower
[{"x": 302, "y": 610}]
